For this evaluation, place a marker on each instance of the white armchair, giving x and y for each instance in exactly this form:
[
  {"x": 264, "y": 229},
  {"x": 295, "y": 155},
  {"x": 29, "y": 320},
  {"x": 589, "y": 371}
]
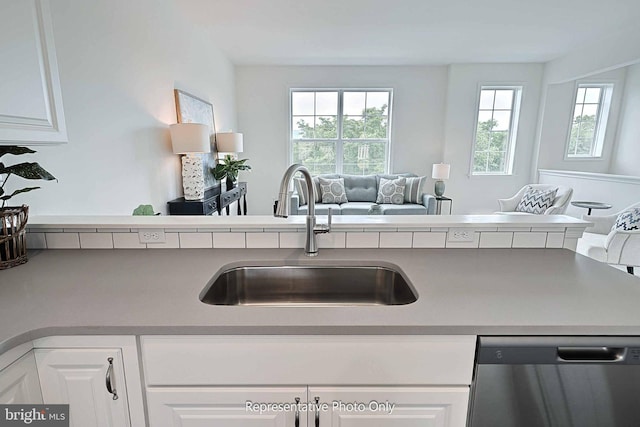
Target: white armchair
[
  {"x": 615, "y": 247},
  {"x": 560, "y": 203}
]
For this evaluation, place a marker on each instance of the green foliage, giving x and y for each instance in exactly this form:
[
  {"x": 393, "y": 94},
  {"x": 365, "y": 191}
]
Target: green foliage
[
  {"x": 229, "y": 167},
  {"x": 143, "y": 210},
  {"x": 359, "y": 157},
  {"x": 582, "y": 136},
  {"x": 491, "y": 148},
  {"x": 26, "y": 170}
]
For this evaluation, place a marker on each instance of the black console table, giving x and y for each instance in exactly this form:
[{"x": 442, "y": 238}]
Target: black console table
[{"x": 215, "y": 200}]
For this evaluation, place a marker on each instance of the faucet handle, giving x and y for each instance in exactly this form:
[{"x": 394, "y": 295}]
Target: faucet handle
[{"x": 329, "y": 217}]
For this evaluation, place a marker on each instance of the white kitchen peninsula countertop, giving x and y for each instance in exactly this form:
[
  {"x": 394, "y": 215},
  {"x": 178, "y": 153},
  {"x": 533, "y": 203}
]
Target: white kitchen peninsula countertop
[{"x": 461, "y": 291}]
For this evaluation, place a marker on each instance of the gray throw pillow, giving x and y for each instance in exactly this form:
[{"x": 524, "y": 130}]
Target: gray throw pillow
[
  {"x": 413, "y": 189},
  {"x": 332, "y": 190},
  {"x": 536, "y": 201},
  {"x": 628, "y": 220},
  {"x": 391, "y": 191}
]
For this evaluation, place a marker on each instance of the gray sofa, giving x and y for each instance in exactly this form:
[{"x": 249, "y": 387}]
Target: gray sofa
[{"x": 362, "y": 191}]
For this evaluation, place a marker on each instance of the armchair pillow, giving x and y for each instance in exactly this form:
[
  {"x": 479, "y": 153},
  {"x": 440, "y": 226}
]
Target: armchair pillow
[
  {"x": 391, "y": 191},
  {"x": 332, "y": 190},
  {"x": 536, "y": 201},
  {"x": 628, "y": 220}
]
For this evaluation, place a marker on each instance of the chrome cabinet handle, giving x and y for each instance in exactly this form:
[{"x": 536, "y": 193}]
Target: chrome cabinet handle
[
  {"x": 317, "y": 399},
  {"x": 110, "y": 381},
  {"x": 297, "y": 421}
]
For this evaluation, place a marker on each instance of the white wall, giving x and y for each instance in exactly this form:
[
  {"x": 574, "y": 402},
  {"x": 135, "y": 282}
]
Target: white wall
[
  {"x": 419, "y": 96},
  {"x": 119, "y": 62},
  {"x": 626, "y": 159},
  {"x": 479, "y": 194},
  {"x": 556, "y": 122}
]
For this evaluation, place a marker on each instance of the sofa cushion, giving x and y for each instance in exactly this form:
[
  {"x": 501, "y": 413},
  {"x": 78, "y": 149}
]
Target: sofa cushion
[
  {"x": 391, "y": 191},
  {"x": 322, "y": 209},
  {"x": 361, "y": 188},
  {"x": 413, "y": 189},
  {"x": 332, "y": 190},
  {"x": 536, "y": 201},
  {"x": 406, "y": 209},
  {"x": 356, "y": 208}
]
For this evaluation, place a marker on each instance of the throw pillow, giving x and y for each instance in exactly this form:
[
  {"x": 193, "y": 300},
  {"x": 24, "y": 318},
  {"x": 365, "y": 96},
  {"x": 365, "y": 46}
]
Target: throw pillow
[
  {"x": 536, "y": 201},
  {"x": 413, "y": 190},
  {"x": 391, "y": 191},
  {"x": 628, "y": 220},
  {"x": 301, "y": 188},
  {"x": 332, "y": 190}
]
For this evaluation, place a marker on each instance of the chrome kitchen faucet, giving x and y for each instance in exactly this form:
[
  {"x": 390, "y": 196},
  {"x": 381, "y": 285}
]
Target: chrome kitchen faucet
[{"x": 283, "y": 209}]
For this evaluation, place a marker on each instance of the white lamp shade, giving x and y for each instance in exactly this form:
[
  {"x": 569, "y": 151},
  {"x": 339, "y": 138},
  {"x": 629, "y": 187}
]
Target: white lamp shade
[
  {"x": 440, "y": 171},
  {"x": 190, "y": 138},
  {"x": 229, "y": 142}
]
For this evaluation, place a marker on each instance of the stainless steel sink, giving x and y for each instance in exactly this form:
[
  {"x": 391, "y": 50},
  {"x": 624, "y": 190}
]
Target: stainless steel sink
[{"x": 305, "y": 285}]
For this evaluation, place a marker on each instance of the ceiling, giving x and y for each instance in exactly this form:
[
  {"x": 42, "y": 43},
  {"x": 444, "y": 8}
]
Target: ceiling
[{"x": 405, "y": 32}]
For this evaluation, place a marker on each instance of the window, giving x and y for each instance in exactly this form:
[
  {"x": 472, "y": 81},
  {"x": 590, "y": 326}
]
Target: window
[
  {"x": 341, "y": 131},
  {"x": 589, "y": 120},
  {"x": 496, "y": 130}
]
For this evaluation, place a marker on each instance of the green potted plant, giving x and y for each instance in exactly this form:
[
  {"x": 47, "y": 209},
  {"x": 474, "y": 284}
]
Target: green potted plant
[
  {"x": 229, "y": 168},
  {"x": 13, "y": 219}
]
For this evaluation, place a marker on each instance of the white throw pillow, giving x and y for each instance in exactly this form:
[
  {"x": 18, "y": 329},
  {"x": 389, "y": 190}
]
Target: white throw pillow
[{"x": 536, "y": 201}]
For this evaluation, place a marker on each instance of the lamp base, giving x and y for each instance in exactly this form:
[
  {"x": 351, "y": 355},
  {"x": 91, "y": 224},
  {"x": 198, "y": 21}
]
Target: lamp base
[
  {"x": 439, "y": 188},
  {"x": 192, "y": 177}
]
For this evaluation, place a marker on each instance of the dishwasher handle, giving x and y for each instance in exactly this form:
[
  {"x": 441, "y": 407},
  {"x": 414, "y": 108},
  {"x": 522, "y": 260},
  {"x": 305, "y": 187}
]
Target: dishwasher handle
[{"x": 591, "y": 354}]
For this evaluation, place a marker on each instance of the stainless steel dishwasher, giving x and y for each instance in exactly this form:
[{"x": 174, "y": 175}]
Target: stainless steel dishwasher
[{"x": 556, "y": 382}]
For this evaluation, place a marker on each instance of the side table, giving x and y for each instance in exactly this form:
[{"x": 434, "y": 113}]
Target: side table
[
  {"x": 439, "y": 200},
  {"x": 591, "y": 205},
  {"x": 215, "y": 200}
]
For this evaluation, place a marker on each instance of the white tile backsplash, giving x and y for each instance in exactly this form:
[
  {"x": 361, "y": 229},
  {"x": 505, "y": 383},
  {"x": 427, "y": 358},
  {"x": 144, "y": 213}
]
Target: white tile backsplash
[
  {"x": 498, "y": 239},
  {"x": 127, "y": 241},
  {"x": 36, "y": 241},
  {"x": 63, "y": 241},
  {"x": 555, "y": 240},
  {"x": 395, "y": 240},
  {"x": 96, "y": 240},
  {"x": 171, "y": 241},
  {"x": 529, "y": 240},
  {"x": 293, "y": 240},
  {"x": 262, "y": 240},
  {"x": 363, "y": 239},
  {"x": 429, "y": 239},
  {"x": 333, "y": 240},
  {"x": 196, "y": 240},
  {"x": 229, "y": 240}
]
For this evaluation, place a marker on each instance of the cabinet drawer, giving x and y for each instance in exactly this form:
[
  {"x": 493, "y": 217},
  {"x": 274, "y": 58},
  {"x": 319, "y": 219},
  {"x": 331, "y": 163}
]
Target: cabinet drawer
[{"x": 320, "y": 360}]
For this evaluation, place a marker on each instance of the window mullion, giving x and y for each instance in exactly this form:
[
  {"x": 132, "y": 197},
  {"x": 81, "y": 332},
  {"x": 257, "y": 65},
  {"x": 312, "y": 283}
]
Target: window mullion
[{"x": 339, "y": 141}]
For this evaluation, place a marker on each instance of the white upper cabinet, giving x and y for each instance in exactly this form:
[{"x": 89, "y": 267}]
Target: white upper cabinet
[{"x": 30, "y": 95}]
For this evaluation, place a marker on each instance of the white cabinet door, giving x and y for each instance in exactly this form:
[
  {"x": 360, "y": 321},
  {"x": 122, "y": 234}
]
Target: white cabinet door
[
  {"x": 79, "y": 377},
  {"x": 19, "y": 382},
  {"x": 223, "y": 406},
  {"x": 370, "y": 406}
]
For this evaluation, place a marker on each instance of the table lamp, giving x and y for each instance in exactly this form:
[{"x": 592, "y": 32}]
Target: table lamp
[
  {"x": 440, "y": 172},
  {"x": 229, "y": 142},
  {"x": 191, "y": 139}
]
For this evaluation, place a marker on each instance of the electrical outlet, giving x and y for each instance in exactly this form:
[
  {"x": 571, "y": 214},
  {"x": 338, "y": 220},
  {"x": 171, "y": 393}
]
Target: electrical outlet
[
  {"x": 151, "y": 236},
  {"x": 460, "y": 235}
]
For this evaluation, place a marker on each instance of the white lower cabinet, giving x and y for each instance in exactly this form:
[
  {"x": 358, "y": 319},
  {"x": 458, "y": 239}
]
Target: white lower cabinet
[
  {"x": 225, "y": 407},
  {"x": 207, "y": 381},
  {"x": 19, "y": 382},
  {"x": 99, "y": 377},
  {"x": 389, "y": 406}
]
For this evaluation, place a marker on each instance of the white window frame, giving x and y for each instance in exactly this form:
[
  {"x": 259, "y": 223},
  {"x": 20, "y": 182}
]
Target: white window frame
[
  {"x": 602, "y": 120},
  {"x": 340, "y": 114},
  {"x": 516, "y": 104}
]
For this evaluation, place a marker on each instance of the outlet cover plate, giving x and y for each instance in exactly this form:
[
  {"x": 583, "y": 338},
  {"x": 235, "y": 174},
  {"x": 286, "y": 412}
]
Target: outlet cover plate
[
  {"x": 151, "y": 235},
  {"x": 460, "y": 235}
]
